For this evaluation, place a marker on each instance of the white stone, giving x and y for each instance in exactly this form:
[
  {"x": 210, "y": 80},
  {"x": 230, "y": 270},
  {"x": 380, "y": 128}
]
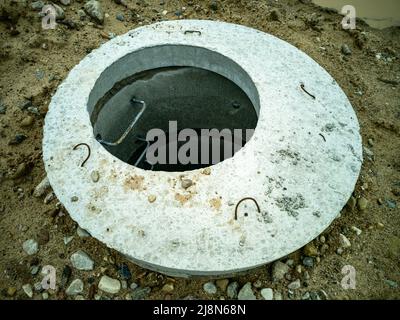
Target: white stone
[
  {"x": 68, "y": 239},
  {"x": 287, "y": 138},
  {"x": 267, "y": 293},
  {"x": 246, "y": 293},
  {"x": 82, "y": 233},
  {"x": 210, "y": 288},
  {"x": 81, "y": 261},
  {"x": 28, "y": 290},
  {"x": 75, "y": 287},
  {"x": 279, "y": 269},
  {"x": 344, "y": 242},
  {"x": 41, "y": 188},
  {"x": 30, "y": 247},
  {"x": 109, "y": 285},
  {"x": 294, "y": 285}
]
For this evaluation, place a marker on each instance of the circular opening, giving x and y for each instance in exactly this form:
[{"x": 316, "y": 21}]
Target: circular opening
[{"x": 158, "y": 112}]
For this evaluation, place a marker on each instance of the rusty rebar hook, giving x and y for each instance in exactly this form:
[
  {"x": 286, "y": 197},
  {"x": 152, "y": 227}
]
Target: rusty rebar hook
[
  {"x": 83, "y": 144},
  {"x": 247, "y": 198}
]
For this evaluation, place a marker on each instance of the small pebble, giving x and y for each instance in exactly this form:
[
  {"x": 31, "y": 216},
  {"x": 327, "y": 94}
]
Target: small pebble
[
  {"x": 168, "y": 287},
  {"x": 246, "y": 293},
  {"x": 267, "y": 293},
  {"x": 75, "y": 287},
  {"x": 109, "y": 285},
  {"x": 346, "y": 49},
  {"x": 279, "y": 269},
  {"x": 82, "y": 233},
  {"x": 95, "y": 176},
  {"x": 81, "y": 261},
  {"x": 120, "y": 17},
  {"x": 152, "y": 198},
  {"x": 308, "y": 262},
  {"x": 186, "y": 183},
  {"x": 344, "y": 242},
  {"x": 222, "y": 284},
  {"x": 232, "y": 290},
  {"x": 28, "y": 290},
  {"x": 294, "y": 285},
  {"x": 30, "y": 247},
  {"x": 210, "y": 288},
  {"x": 362, "y": 203},
  {"x": 41, "y": 188},
  {"x": 27, "y": 121}
]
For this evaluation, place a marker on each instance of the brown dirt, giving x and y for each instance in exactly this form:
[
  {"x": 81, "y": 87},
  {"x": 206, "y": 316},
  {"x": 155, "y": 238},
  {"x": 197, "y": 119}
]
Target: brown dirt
[{"x": 33, "y": 62}]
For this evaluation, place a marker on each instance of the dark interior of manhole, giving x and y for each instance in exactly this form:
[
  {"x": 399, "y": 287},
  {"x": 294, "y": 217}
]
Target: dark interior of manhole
[{"x": 193, "y": 98}]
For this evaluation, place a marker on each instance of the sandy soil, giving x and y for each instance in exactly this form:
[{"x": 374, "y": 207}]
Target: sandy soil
[{"x": 33, "y": 62}]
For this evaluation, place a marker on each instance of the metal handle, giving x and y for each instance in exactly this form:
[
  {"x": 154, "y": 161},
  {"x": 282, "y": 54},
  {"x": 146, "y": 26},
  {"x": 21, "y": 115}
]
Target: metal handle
[{"x": 129, "y": 129}]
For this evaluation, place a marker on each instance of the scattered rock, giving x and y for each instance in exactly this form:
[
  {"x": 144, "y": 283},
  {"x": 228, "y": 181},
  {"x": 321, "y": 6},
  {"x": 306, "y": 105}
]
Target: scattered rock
[
  {"x": 279, "y": 269},
  {"x": 124, "y": 271},
  {"x": 140, "y": 293},
  {"x": 308, "y": 262},
  {"x": 120, "y": 17},
  {"x": 362, "y": 203},
  {"x": 294, "y": 285},
  {"x": 222, "y": 284},
  {"x": 346, "y": 50},
  {"x": 351, "y": 204},
  {"x": 68, "y": 239},
  {"x": 30, "y": 247},
  {"x": 246, "y": 293},
  {"x": 74, "y": 288},
  {"x": 81, "y": 261},
  {"x": 65, "y": 2},
  {"x": 41, "y": 188},
  {"x": 82, "y": 233},
  {"x": 392, "y": 284},
  {"x": 11, "y": 291},
  {"x": 186, "y": 183},
  {"x": 28, "y": 290},
  {"x": 310, "y": 250},
  {"x": 344, "y": 242},
  {"x": 27, "y": 121},
  {"x": 133, "y": 286},
  {"x": 232, "y": 290},
  {"x": 37, "y": 5},
  {"x": 210, "y": 288},
  {"x": 34, "y": 270},
  {"x": 168, "y": 287},
  {"x": 18, "y": 139},
  {"x": 95, "y": 175},
  {"x": 356, "y": 230},
  {"x": 49, "y": 198},
  {"x": 267, "y": 293},
  {"x": 391, "y": 204},
  {"x": 93, "y": 9},
  {"x": 109, "y": 285}
]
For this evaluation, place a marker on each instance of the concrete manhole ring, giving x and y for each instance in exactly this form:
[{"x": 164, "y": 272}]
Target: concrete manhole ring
[{"x": 301, "y": 164}]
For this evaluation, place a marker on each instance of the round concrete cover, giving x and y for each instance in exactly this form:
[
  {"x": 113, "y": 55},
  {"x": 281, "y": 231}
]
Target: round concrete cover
[{"x": 301, "y": 164}]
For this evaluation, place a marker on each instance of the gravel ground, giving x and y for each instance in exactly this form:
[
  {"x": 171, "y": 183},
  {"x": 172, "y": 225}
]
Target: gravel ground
[{"x": 35, "y": 230}]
